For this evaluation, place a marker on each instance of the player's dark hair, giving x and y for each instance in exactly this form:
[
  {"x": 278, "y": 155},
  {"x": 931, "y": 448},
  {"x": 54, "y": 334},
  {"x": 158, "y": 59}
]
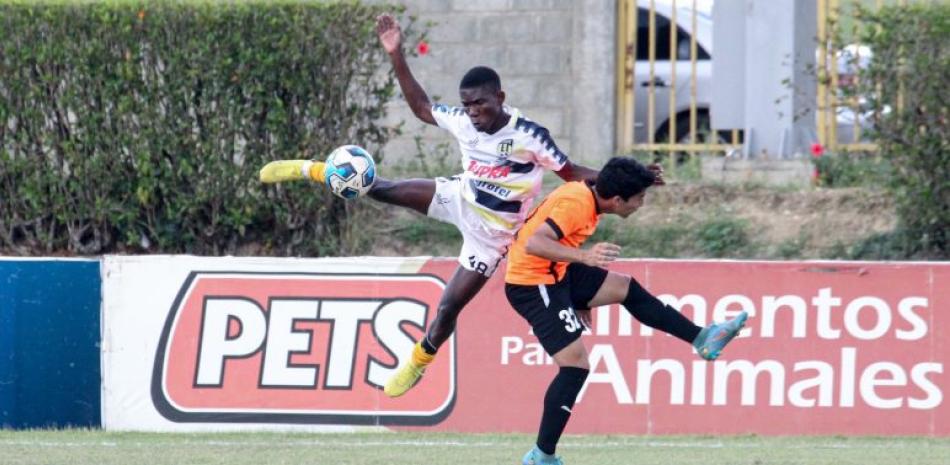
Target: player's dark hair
[
  {"x": 623, "y": 176},
  {"x": 481, "y": 76}
]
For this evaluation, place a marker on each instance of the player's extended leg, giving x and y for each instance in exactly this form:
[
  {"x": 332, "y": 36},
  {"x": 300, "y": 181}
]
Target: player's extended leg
[
  {"x": 708, "y": 341},
  {"x": 292, "y": 170},
  {"x": 460, "y": 290},
  {"x": 462, "y": 287},
  {"x": 411, "y": 193}
]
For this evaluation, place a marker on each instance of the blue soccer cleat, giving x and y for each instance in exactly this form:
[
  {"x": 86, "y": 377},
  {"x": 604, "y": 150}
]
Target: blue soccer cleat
[
  {"x": 711, "y": 339},
  {"x": 536, "y": 457}
]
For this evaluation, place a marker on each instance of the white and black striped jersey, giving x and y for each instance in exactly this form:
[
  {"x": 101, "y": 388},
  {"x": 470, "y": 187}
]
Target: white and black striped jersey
[{"x": 502, "y": 171}]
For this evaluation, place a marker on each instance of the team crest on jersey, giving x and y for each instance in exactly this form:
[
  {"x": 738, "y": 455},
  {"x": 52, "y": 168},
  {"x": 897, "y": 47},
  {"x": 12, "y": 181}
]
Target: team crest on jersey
[{"x": 504, "y": 148}]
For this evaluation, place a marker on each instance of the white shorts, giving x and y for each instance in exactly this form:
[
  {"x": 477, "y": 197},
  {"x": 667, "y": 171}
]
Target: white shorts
[{"x": 482, "y": 247}]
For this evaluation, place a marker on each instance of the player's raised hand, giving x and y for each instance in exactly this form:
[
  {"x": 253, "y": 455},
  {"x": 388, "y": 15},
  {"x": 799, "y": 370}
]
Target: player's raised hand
[
  {"x": 387, "y": 28},
  {"x": 657, "y": 170},
  {"x": 601, "y": 254}
]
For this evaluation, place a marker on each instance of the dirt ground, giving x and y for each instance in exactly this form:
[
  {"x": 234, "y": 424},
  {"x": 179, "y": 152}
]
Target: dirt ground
[
  {"x": 788, "y": 223},
  {"x": 814, "y": 219},
  {"x": 819, "y": 218}
]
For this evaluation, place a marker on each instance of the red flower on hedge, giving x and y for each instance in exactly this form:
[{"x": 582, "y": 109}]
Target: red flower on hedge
[
  {"x": 423, "y": 47},
  {"x": 817, "y": 150}
]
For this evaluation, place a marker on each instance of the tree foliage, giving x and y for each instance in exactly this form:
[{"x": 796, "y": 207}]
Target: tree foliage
[
  {"x": 141, "y": 126},
  {"x": 906, "y": 86}
]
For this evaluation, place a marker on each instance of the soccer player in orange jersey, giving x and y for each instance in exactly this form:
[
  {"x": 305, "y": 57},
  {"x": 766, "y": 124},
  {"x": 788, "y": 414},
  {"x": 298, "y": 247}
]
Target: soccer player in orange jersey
[{"x": 552, "y": 282}]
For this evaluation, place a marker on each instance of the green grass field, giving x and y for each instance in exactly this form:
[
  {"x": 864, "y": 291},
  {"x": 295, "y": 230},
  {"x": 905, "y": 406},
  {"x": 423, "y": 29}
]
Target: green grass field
[{"x": 82, "y": 447}]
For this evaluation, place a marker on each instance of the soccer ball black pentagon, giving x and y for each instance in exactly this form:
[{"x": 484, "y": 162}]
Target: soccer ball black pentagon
[{"x": 350, "y": 171}]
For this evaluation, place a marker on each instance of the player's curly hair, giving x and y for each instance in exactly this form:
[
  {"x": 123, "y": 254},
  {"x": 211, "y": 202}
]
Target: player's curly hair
[
  {"x": 481, "y": 76},
  {"x": 623, "y": 176}
]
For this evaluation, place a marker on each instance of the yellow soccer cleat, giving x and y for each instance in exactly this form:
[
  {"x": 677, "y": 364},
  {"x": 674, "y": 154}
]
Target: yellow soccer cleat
[
  {"x": 404, "y": 379},
  {"x": 292, "y": 170}
]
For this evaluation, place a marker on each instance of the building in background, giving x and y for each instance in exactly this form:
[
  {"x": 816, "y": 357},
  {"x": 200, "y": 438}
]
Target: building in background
[{"x": 751, "y": 94}]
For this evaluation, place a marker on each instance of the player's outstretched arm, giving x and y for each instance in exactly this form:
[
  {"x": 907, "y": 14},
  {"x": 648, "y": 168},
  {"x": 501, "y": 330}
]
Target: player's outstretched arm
[
  {"x": 390, "y": 36},
  {"x": 574, "y": 172}
]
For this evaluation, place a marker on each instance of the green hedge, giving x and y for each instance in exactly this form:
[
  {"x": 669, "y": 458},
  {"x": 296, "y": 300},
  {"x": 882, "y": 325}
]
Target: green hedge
[
  {"x": 906, "y": 82},
  {"x": 141, "y": 126}
]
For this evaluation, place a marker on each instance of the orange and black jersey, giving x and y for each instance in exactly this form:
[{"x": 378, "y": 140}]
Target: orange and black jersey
[{"x": 571, "y": 211}]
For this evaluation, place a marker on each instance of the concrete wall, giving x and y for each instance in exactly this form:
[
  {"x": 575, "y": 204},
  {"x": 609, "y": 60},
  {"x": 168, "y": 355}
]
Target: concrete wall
[
  {"x": 555, "y": 58},
  {"x": 780, "y": 88}
]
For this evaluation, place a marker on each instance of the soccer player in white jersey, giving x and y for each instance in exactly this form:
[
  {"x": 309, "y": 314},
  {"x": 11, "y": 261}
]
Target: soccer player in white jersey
[{"x": 503, "y": 154}]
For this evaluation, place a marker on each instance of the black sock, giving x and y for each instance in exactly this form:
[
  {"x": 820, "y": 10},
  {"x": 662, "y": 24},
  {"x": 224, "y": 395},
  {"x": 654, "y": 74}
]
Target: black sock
[
  {"x": 653, "y": 313},
  {"x": 427, "y": 346},
  {"x": 558, "y": 403}
]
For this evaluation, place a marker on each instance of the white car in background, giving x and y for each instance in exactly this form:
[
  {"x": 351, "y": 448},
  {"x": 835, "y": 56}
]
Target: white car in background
[{"x": 663, "y": 70}]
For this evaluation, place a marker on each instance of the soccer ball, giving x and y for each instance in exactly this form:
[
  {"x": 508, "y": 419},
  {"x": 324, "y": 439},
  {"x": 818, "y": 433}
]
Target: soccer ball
[{"x": 350, "y": 172}]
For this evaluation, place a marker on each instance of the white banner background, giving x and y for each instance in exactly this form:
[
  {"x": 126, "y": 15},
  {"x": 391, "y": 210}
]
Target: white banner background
[{"x": 137, "y": 294}]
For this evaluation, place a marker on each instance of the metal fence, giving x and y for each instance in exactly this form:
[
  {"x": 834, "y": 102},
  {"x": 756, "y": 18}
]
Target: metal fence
[
  {"x": 839, "y": 61},
  {"x": 836, "y": 61},
  {"x": 655, "y": 60}
]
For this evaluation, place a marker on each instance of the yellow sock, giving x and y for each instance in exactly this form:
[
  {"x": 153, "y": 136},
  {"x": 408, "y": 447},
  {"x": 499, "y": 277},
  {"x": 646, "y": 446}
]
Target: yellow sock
[
  {"x": 316, "y": 171},
  {"x": 420, "y": 357}
]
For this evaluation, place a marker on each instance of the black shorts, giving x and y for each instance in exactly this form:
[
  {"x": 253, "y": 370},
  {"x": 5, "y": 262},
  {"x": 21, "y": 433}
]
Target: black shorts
[{"x": 549, "y": 308}]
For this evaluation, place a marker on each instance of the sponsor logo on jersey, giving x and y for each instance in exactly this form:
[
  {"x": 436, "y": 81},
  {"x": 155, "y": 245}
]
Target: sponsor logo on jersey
[{"x": 484, "y": 170}]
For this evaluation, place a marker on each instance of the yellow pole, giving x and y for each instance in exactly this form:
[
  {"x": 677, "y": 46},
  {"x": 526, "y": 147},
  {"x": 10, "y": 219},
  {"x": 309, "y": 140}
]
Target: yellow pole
[
  {"x": 692, "y": 79},
  {"x": 651, "y": 96},
  {"x": 621, "y": 108},
  {"x": 855, "y": 101},
  {"x": 833, "y": 9},
  {"x": 632, "y": 56},
  {"x": 673, "y": 59},
  {"x": 822, "y": 90},
  {"x": 672, "y": 89}
]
